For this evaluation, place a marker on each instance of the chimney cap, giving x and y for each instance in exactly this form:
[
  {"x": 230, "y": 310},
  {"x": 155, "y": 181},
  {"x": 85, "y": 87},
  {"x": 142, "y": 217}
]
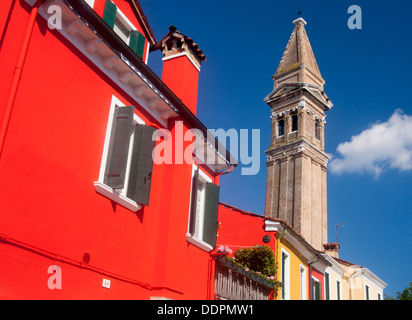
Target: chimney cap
[
  {"x": 332, "y": 246},
  {"x": 176, "y": 34}
]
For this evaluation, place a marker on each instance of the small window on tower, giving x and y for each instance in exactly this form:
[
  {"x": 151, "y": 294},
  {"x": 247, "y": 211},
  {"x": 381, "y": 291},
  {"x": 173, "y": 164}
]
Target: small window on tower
[
  {"x": 317, "y": 130},
  {"x": 281, "y": 128},
  {"x": 294, "y": 122}
]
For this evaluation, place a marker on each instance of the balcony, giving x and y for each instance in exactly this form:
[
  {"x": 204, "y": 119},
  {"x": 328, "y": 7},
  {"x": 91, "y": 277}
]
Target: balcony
[{"x": 232, "y": 282}]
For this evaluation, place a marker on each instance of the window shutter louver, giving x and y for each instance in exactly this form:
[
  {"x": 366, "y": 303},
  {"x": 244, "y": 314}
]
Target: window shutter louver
[
  {"x": 133, "y": 40},
  {"x": 109, "y": 15},
  {"x": 194, "y": 201},
  {"x": 317, "y": 289},
  {"x": 141, "y": 40},
  {"x": 211, "y": 214},
  {"x": 141, "y": 167},
  {"x": 119, "y": 147}
]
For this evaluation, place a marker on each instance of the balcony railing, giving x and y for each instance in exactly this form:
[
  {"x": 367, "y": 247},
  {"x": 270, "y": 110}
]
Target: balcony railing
[{"x": 232, "y": 282}]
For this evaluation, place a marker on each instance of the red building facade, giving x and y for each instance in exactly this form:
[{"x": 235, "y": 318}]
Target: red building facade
[{"x": 83, "y": 216}]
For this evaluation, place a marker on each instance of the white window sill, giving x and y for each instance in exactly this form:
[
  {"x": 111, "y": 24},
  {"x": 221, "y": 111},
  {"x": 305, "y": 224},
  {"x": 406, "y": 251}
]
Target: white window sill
[
  {"x": 116, "y": 196},
  {"x": 198, "y": 243}
]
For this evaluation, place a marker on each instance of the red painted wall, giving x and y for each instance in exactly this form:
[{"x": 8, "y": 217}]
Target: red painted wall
[
  {"x": 50, "y": 211},
  {"x": 181, "y": 76},
  {"x": 242, "y": 230}
]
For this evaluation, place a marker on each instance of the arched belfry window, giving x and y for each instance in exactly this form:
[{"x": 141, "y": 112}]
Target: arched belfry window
[
  {"x": 294, "y": 122},
  {"x": 281, "y": 128}
]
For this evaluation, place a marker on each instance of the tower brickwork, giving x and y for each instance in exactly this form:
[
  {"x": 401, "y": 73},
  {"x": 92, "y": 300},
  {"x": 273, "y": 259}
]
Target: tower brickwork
[{"x": 296, "y": 160}]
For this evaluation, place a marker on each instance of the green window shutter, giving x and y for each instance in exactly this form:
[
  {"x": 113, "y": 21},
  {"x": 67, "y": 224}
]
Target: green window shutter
[
  {"x": 327, "y": 297},
  {"x": 119, "y": 147},
  {"x": 211, "y": 213},
  {"x": 317, "y": 290},
  {"x": 141, "y": 167},
  {"x": 141, "y": 40},
  {"x": 133, "y": 40},
  {"x": 137, "y": 43},
  {"x": 109, "y": 15},
  {"x": 193, "y": 202}
]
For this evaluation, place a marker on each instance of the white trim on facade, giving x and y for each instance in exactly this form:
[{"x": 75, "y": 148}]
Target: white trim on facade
[{"x": 181, "y": 55}]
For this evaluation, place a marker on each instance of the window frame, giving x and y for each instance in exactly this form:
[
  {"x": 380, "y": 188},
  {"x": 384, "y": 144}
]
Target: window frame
[
  {"x": 285, "y": 275},
  {"x": 124, "y": 22},
  {"x": 117, "y": 195},
  {"x": 303, "y": 282},
  {"x": 193, "y": 238},
  {"x": 313, "y": 288},
  {"x": 90, "y": 3},
  {"x": 327, "y": 286},
  {"x": 338, "y": 290}
]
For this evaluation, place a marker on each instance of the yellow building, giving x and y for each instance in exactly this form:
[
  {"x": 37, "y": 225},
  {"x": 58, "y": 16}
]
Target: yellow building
[{"x": 299, "y": 264}]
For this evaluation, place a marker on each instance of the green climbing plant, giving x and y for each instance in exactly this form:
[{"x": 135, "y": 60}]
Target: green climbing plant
[{"x": 260, "y": 259}]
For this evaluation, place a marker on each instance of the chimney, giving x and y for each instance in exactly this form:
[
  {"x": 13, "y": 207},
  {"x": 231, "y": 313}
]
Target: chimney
[
  {"x": 182, "y": 60},
  {"x": 332, "y": 249}
]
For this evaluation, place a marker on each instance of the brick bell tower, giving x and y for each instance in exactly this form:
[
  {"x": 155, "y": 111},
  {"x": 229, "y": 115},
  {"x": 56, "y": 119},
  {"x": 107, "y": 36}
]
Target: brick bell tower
[{"x": 296, "y": 159}]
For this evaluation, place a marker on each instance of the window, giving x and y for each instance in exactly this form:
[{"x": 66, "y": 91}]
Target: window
[
  {"x": 285, "y": 273},
  {"x": 281, "y": 128},
  {"x": 204, "y": 202},
  {"x": 302, "y": 283},
  {"x": 327, "y": 286},
  {"x": 127, "y": 165},
  {"x": 337, "y": 290},
  {"x": 317, "y": 130},
  {"x": 294, "y": 123},
  {"x": 122, "y": 31},
  {"x": 379, "y": 296},
  {"x": 316, "y": 287},
  {"x": 367, "y": 292},
  {"x": 124, "y": 28}
]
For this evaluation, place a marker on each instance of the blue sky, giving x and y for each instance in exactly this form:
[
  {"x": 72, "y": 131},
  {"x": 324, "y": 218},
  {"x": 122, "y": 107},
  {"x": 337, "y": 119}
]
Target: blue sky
[{"x": 367, "y": 75}]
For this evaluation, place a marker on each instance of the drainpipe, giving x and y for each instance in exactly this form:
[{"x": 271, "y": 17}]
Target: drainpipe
[
  {"x": 17, "y": 75},
  {"x": 221, "y": 173}
]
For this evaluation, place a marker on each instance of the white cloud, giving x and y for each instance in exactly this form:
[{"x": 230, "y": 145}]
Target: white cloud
[{"x": 382, "y": 146}]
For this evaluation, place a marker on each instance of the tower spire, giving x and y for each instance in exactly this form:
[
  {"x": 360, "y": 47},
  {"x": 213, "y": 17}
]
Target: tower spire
[{"x": 298, "y": 63}]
